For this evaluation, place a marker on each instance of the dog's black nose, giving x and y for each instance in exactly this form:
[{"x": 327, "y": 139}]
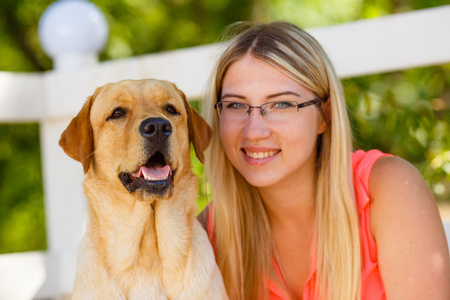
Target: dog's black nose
[{"x": 157, "y": 128}]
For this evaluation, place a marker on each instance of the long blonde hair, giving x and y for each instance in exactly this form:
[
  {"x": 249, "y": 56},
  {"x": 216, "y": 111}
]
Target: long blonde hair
[{"x": 244, "y": 246}]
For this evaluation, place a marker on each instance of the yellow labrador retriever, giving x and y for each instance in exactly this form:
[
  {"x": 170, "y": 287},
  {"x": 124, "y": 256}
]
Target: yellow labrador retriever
[{"x": 142, "y": 240}]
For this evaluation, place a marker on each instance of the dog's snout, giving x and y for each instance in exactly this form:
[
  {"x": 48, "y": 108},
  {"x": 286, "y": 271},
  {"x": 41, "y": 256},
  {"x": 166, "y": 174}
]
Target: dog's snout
[{"x": 156, "y": 128}]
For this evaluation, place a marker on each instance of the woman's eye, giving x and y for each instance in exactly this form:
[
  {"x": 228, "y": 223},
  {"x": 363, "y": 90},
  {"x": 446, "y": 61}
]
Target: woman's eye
[
  {"x": 117, "y": 113},
  {"x": 282, "y": 104},
  {"x": 236, "y": 105},
  {"x": 171, "y": 110}
]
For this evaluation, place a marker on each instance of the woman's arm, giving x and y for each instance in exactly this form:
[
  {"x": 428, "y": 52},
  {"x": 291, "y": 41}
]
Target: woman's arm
[{"x": 413, "y": 253}]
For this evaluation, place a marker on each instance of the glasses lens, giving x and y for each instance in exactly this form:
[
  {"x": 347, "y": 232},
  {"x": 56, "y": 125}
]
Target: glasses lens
[
  {"x": 232, "y": 110},
  {"x": 274, "y": 111},
  {"x": 279, "y": 110}
]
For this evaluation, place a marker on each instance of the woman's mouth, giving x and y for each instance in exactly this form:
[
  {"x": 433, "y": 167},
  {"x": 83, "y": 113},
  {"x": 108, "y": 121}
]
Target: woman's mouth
[{"x": 261, "y": 154}]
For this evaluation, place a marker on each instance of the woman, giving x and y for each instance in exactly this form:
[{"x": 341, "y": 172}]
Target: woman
[{"x": 295, "y": 214}]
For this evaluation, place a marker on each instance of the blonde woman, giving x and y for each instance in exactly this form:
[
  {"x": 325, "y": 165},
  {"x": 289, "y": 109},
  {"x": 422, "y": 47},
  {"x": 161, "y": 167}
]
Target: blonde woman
[{"x": 296, "y": 213}]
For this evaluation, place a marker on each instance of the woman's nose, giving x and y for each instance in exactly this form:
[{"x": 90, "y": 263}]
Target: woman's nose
[{"x": 256, "y": 126}]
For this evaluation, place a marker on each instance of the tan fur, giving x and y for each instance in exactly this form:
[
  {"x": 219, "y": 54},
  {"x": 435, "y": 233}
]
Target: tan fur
[{"x": 138, "y": 245}]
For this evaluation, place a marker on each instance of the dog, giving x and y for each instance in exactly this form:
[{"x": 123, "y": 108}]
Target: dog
[{"x": 142, "y": 239}]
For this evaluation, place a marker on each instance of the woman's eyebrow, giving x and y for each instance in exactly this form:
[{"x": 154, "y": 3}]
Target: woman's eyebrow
[
  {"x": 232, "y": 96},
  {"x": 285, "y": 93},
  {"x": 282, "y": 94}
]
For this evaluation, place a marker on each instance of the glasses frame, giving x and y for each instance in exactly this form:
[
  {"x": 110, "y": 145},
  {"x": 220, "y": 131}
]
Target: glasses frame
[{"x": 263, "y": 112}]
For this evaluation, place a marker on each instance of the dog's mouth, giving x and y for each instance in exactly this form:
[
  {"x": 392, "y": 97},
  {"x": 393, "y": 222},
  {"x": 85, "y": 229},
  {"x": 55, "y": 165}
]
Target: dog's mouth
[{"x": 155, "y": 177}]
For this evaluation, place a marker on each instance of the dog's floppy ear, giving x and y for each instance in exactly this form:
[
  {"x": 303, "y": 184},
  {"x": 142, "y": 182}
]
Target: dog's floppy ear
[
  {"x": 200, "y": 133},
  {"x": 77, "y": 139}
]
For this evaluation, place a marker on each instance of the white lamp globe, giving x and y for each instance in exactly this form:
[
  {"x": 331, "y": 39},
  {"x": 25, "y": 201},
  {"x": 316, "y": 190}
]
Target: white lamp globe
[{"x": 72, "y": 33}]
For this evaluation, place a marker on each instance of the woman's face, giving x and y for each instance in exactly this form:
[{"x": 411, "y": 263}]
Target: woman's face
[{"x": 267, "y": 152}]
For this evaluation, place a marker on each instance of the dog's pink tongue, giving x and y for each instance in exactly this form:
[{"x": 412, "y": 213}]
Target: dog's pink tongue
[{"x": 154, "y": 173}]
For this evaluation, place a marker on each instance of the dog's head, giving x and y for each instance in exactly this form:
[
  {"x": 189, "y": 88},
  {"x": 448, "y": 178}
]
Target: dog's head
[{"x": 137, "y": 134}]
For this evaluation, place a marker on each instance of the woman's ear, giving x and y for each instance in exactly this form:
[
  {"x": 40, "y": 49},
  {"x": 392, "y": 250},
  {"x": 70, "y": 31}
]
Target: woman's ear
[
  {"x": 325, "y": 121},
  {"x": 322, "y": 127},
  {"x": 326, "y": 110}
]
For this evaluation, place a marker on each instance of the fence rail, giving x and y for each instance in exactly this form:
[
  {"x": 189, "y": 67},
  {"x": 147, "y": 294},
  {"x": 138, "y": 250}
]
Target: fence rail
[{"x": 396, "y": 42}]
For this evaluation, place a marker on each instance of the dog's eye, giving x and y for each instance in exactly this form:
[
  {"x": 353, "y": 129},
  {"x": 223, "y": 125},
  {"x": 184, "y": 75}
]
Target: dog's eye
[
  {"x": 117, "y": 113},
  {"x": 171, "y": 110}
]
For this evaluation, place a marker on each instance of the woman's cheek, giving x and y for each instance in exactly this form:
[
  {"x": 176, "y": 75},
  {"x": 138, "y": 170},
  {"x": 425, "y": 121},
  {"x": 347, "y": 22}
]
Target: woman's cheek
[{"x": 229, "y": 135}]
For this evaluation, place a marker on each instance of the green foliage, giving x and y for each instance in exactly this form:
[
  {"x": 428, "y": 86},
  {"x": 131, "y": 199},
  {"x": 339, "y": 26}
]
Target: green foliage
[
  {"x": 407, "y": 114},
  {"x": 316, "y": 13},
  {"x": 197, "y": 168},
  {"x": 136, "y": 27},
  {"x": 142, "y": 26},
  {"x": 22, "y": 223}
]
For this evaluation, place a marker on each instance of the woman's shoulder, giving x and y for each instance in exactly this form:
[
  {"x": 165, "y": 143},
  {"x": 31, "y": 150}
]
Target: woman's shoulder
[
  {"x": 406, "y": 226},
  {"x": 392, "y": 175},
  {"x": 383, "y": 171},
  {"x": 397, "y": 188}
]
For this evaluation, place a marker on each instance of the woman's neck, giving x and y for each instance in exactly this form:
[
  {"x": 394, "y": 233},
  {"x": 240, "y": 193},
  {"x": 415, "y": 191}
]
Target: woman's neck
[{"x": 291, "y": 204}]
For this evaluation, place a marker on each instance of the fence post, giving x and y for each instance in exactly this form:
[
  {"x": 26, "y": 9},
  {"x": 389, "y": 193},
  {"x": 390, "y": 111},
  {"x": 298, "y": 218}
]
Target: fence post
[{"x": 72, "y": 33}]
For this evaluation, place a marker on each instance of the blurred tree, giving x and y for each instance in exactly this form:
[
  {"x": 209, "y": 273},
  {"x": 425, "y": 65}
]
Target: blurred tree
[
  {"x": 22, "y": 224},
  {"x": 408, "y": 114},
  {"x": 136, "y": 27},
  {"x": 404, "y": 113}
]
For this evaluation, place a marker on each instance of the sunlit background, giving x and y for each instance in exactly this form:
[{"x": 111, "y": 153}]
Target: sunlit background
[{"x": 404, "y": 113}]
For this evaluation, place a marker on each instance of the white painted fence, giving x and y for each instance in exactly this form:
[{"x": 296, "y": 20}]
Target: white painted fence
[{"x": 52, "y": 98}]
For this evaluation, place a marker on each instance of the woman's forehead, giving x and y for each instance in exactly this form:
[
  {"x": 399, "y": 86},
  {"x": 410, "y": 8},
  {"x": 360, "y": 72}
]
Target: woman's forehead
[{"x": 250, "y": 75}]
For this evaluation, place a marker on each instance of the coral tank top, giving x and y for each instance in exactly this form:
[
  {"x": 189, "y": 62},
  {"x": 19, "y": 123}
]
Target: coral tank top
[{"x": 371, "y": 283}]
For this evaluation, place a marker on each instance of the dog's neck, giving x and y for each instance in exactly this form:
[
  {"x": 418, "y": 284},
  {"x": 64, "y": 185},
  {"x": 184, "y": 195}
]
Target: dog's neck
[{"x": 137, "y": 233}]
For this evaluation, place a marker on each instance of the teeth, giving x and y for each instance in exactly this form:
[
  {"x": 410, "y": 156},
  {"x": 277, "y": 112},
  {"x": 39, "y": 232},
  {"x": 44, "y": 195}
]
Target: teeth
[
  {"x": 259, "y": 155},
  {"x": 146, "y": 177},
  {"x": 153, "y": 174}
]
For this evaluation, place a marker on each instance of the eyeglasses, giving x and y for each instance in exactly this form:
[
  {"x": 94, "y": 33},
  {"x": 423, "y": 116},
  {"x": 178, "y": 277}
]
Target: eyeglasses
[{"x": 273, "y": 111}]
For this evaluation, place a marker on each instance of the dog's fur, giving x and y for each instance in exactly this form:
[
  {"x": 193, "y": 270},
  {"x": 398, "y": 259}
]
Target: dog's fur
[{"x": 142, "y": 240}]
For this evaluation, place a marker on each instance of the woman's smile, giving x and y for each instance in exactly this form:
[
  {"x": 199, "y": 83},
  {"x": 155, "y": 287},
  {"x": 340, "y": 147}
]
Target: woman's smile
[{"x": 260, "y": 156}]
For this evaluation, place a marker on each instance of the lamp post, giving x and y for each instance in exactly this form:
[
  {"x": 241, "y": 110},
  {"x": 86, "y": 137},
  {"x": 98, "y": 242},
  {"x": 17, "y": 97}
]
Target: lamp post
[{"x": 72, "y": 33}]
